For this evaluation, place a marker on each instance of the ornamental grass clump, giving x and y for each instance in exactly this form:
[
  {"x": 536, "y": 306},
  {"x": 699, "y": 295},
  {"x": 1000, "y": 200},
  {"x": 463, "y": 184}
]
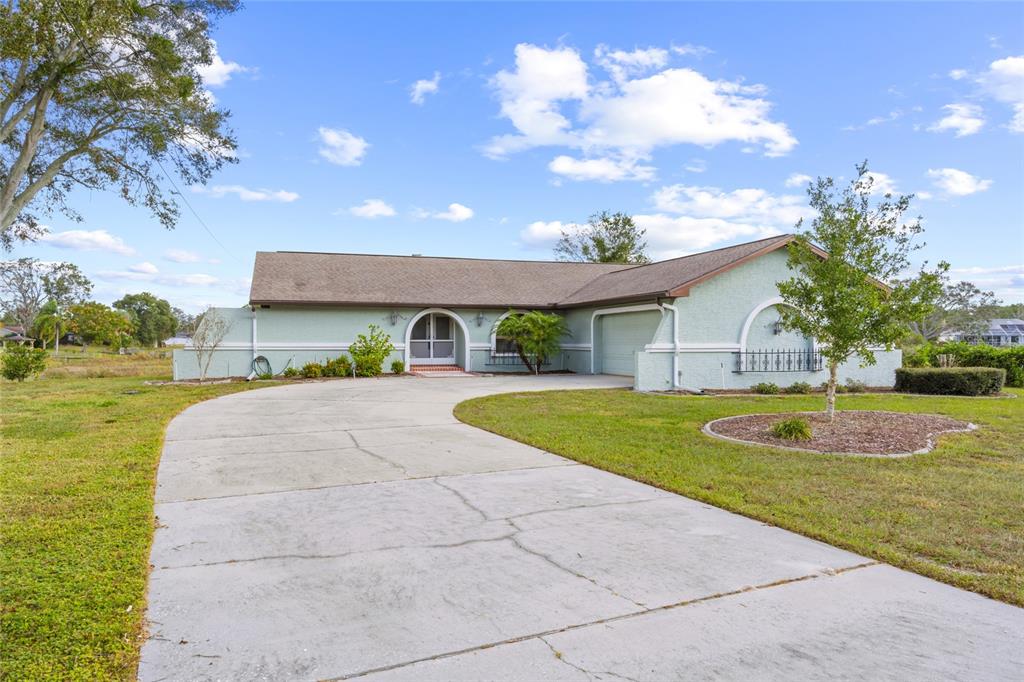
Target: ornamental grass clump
[{"x": 794, "y": 428}]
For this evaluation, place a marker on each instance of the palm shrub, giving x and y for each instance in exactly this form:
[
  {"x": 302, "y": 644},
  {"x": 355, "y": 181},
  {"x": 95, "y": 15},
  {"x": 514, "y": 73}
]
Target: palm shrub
[
  {"x": 537, "y": 335},
  {"x": 794, "y": 428},
  {"x": 369, "y": 351},
  {"x": 397, "y": 367},
  {"x": 18, "y": 363}
]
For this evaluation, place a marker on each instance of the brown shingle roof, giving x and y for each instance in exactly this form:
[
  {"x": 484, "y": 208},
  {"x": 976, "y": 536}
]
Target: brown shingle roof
[
  {"x": 357, "y": 279},
  {"x": 339, "y": 278},
  {"x": 670, "y": 277}
]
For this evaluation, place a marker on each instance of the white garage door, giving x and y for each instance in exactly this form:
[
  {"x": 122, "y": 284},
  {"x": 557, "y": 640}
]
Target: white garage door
[{"x": 622, "y": 335}]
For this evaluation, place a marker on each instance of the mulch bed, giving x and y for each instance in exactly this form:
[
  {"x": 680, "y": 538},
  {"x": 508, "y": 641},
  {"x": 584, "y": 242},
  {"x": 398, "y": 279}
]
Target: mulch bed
[{"x": 854, "y": 432}]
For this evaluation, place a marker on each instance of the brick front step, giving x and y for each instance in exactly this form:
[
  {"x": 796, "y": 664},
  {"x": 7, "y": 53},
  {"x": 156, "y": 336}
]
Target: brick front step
[{"x": 435, "y": 368}]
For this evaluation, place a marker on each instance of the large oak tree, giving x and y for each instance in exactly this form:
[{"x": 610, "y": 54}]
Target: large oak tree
[{"x": 104, "y": 93}]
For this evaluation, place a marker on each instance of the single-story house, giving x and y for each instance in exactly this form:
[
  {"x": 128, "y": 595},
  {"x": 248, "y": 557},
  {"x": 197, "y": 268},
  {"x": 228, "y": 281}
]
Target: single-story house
[
  {"x": 708, "y": 320},
  {"x": 999, "y": 331}
]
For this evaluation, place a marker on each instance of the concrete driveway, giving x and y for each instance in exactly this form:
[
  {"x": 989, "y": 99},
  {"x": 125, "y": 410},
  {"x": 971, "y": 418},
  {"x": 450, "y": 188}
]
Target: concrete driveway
[{"x": 356, "y": 529}]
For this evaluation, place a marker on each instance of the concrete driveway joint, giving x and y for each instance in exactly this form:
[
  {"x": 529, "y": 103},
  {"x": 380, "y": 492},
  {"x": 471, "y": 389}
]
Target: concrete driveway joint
[{"x": 355, "y": 529}]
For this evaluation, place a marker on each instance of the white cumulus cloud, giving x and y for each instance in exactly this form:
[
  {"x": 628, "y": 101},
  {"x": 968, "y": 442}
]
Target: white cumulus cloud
[
  {"x": 546, "y": 233},
  {"x": 373, "y": 208},
  {"x": 550, "y": 99},
  {"x": 456, "y": 213},
  {"x": 246, "y": 194},
  {"x": 692, "y": 218},
  {"x": 962, "y": 119},
  {"x": 145, "y": 268},
  {"x": 341, "y": 147},
  {"x": 87, "y": 240},
  {"x": 218, "y": 72},
  {"x": 957, "y": 182},
  {"x": 601, "y": 169},
  {"x": 798, "y": 180},
  {"x": 880, "y": 183},
  {"x": 419, "y": 90}
]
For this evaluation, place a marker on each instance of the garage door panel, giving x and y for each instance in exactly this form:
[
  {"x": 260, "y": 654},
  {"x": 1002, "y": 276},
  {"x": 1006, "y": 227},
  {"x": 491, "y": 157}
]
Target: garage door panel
[{"x": 622, "y": 336}]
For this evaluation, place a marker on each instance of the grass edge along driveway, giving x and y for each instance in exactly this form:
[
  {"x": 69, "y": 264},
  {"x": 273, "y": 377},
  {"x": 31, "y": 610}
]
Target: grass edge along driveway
[
  {"x": 955, "y": 514},
  {"x": 78, "y": 461}
]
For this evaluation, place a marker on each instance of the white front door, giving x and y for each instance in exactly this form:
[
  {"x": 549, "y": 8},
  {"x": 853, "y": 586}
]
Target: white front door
[{"x": 432, "y": 341}]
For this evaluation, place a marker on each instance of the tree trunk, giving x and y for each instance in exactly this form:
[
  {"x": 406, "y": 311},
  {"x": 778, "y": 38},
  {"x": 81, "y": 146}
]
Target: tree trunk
[
  {"x": 830, "y": 392},
  {"x": 522, "y": 356}
]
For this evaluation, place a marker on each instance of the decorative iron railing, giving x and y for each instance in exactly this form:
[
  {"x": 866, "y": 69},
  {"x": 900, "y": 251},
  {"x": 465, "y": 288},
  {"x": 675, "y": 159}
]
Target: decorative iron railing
[
  {"x": 510, "y": 360},
  {"x": 778, "y": 361}
]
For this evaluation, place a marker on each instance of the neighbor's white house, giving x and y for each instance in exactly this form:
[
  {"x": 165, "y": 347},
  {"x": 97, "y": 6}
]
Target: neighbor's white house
[{"x": 704, "y": 321}]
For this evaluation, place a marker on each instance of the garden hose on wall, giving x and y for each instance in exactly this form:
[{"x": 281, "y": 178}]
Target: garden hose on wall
[{"x": 260, "y": 366}]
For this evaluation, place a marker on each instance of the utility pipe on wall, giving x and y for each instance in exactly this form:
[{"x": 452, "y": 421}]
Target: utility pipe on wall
[
  {"x": 675, "y": 342},
  {"x": 252, "y": 362}
]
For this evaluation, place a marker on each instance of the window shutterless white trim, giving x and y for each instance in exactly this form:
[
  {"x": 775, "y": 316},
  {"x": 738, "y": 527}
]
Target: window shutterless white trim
[
  {"x": 613, "y": 311},
  {"x": 442, "y": 311},
  {"x": 494, "y": 336}
]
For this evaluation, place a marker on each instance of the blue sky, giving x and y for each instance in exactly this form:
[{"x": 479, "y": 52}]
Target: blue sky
[{"x": 703, "y": 121}]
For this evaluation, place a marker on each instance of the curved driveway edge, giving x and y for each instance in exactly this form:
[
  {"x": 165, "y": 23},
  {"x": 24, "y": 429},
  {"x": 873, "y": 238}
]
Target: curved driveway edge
[{"x": 356, "y": 529}]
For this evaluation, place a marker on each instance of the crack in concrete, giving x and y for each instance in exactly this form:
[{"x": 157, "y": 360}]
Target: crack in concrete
[
  {"x": 515, "y": 540},
  {"x": 340, "y": 555},
  {"x": 361, "y": 483},
  {"x": 465, "y": 500},
  {"x": 599, "y": 505},
  {"x": 590, "y": 674},
  {"x": 612, "y": 619}
]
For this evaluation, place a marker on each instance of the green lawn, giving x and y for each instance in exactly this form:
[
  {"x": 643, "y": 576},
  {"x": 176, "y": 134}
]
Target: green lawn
[
  {"x": 78, "y": 459},
  {"x": 955, "y": 514}
]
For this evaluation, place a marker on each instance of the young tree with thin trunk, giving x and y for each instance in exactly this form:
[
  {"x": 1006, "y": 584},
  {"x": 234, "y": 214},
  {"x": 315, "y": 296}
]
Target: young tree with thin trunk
[
  {"x": 536, "y": 335},
  {"x": 838, "y": 294},
  {"x": 209, "y": 334},
  {"x": 606, "y": 238},
  {"x": 95, "y": 94}
]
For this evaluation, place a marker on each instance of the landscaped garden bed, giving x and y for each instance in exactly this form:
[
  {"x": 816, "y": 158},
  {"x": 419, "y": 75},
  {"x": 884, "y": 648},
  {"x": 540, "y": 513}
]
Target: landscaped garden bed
[{"x": 860, "y": 432}]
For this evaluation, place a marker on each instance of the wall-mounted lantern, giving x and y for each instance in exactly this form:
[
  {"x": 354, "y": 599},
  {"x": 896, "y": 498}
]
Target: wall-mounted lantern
[
  {"x": 777, "y": 327},
  {"x": 480, "y": 319},
  {"x": 394, "y": 317}
]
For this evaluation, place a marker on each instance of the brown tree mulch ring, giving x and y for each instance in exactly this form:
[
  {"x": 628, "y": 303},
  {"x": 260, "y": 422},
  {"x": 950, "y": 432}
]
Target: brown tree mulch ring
[{"x": 856, "y": 432}]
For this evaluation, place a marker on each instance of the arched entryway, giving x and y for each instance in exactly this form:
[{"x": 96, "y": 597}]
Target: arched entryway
[{"x": 433, "y": 338}]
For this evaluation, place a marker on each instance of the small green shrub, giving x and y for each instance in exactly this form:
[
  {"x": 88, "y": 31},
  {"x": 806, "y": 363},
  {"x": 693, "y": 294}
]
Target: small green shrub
[
  {"x": 21, "y": 362},
  {"x": 290, "y": 372},
  {"x": 798, "y": 388},
  {"x": 312, "y": 370},
  {"x": 765, "y": 388},
  {"x": 397, "y": 367},
  {"x": 340, "y": 366},
  {"x": 370, "y": 351},
  {"x": 794, "y": 428},
  {"x": 854, "y": 386},
  {"x": 950, "y": 380},
  {"x": 265, "y": 375}
]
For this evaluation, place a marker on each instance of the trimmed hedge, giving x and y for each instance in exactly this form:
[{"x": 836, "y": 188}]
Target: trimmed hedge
[
  {"x": 950, "y": 380},
  {"x": 1009, "y": 358}
]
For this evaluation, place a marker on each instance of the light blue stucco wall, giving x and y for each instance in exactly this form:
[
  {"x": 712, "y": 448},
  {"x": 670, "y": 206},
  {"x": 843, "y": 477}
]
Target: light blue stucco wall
[{"x": 711, "y": 322}]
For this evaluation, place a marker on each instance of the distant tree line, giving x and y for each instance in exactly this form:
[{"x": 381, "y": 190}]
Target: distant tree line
[{"x": 51, "y": 300}]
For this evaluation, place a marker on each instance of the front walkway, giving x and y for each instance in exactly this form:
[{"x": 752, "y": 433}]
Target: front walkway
[{"x": 355, "y": 529}]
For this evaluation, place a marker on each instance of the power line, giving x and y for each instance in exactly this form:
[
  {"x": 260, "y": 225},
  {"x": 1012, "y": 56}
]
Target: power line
[{"x": 159, "y": 163}]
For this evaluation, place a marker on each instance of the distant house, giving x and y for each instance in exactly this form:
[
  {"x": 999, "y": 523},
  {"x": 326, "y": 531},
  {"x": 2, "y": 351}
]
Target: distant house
[
  {"x": 708, "y": 320},
  {"x": 13, "y": 334},
  {"x": 1000, "y": 332}
]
